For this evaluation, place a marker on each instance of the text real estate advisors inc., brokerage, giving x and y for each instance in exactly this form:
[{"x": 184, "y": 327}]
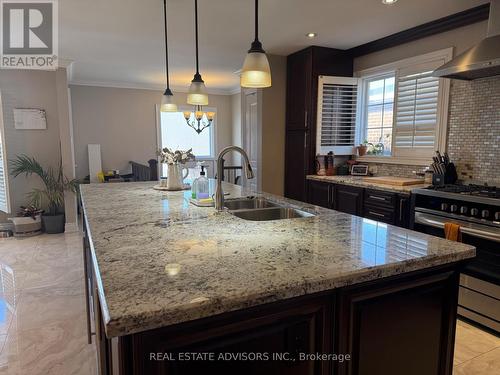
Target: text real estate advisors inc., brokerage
[{"x": 247, "y": 356}]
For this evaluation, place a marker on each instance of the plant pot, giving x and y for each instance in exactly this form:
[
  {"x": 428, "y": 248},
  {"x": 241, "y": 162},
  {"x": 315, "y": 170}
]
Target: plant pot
[
  {"x": 27, "y": 226},
  {"x": 362, "y": 150},
  {"x": 53, "y": 224}
]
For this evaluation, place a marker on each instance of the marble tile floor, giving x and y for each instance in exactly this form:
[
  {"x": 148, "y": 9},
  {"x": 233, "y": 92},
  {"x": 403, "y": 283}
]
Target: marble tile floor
[
  {"x": 42, "y": 307},
  {"x": 43, "y": 324}
]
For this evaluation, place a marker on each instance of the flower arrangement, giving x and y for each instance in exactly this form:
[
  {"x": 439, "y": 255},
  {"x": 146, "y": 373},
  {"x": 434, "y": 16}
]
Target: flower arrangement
[{"x": 168, "y": 156}]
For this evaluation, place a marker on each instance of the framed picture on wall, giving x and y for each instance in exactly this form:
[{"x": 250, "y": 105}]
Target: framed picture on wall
[{"x": 30, "y": 119}]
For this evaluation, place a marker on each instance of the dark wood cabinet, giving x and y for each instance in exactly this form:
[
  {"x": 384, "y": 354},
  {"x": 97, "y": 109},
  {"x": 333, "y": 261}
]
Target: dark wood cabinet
[
  {"x": 267, "y": 339},
  {"x": 295, "y": 173},
  {"x": 384, "y": 206},
  {"x": 418, "y": 314},
  {"x": 320, "y": 193},
  {"x": 403, "y": 208},
  {"x": 403, "y": 324},
  {"x": 303, "y": 69},
  {"x": 348, "y": 199}
]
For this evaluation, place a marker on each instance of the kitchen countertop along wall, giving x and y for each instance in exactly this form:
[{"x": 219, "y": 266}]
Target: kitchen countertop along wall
[
  {"x": 359, "y": 181},
  {"x": 160, "y": 260}
]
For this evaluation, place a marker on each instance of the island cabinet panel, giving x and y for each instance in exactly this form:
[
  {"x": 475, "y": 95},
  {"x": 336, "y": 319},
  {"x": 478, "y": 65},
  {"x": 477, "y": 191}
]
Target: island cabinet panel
[
  {"x": 302, "y": 325},
  {"x": 402, "y": 324},
  {"x": 406, "y": 327},
  {"x": 348, "y": 199},
  {"x": 320, "y": 193}
]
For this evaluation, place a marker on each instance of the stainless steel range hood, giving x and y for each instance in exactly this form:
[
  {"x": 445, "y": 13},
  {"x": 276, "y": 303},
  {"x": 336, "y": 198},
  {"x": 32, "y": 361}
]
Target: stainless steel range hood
[{"x": 482, "y": 60}]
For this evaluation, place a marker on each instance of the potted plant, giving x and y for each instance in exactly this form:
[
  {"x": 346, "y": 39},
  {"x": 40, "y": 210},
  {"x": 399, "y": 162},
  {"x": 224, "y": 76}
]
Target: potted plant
[
  {"x": 28, "y": 221},
  {"x": 52, "y": 196},
  {"x": 362, "y": 148}
]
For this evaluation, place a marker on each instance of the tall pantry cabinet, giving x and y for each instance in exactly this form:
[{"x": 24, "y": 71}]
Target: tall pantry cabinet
[{"x": 303, "y": 69}]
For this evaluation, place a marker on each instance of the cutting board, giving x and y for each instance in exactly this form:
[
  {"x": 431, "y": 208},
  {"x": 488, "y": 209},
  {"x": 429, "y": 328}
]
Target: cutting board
[{"x": 397, "y": 181}]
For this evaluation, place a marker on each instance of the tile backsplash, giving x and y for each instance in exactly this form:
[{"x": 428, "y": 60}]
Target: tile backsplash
[
  {"x": 474, "y": 129},
  {"x": 473, "y": 133}
]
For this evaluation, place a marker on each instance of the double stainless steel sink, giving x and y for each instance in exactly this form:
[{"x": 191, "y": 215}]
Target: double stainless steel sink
[{"x": 261, "y": 209}]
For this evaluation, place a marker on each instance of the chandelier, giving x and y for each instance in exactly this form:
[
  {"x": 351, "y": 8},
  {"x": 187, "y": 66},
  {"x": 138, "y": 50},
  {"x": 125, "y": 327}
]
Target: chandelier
[{"x": 199, "y": 120}]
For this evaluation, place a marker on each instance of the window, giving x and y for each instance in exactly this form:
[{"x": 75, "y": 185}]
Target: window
[
  {"x": 378, "y": 111},
  {"x": 175, "y": 134},
  {"x": 337, "y": 98},
  {"x": 403, "y": 109},
  {"x": 4, "y": 184},
  {"x": 417, "y": 113}
]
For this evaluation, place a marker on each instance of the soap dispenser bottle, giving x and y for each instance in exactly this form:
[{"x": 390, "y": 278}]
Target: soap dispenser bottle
[{"x": 201, "y": 185}]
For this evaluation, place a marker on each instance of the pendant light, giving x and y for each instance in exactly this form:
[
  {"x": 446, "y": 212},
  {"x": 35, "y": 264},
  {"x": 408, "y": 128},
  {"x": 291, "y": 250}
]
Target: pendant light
[
  {"x": 197, "y": 94},
  {"x": 167, "y": 104},
  {"x": 256, "y": 72}
]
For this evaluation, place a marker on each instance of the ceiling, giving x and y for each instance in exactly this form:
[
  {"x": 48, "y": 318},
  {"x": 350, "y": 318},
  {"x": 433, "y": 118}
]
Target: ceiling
[{"x": 120, "y": 42}]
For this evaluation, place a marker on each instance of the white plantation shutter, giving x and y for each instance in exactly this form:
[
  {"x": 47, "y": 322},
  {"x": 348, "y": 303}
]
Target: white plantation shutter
[
  {"x": 417, "y": 112},
  {"x": 4, "y": 193},
  {"x": 336, "y": 119}
]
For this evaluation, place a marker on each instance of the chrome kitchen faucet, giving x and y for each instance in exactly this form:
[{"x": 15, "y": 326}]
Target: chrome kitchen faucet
[{"x": 219, "y": 194}]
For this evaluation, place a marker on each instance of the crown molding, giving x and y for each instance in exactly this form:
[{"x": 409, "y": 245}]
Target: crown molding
[
  {"x": 453, "y": 21},
  {"x": 236, "y": 90},
  {"x": 153, "y": 87}
]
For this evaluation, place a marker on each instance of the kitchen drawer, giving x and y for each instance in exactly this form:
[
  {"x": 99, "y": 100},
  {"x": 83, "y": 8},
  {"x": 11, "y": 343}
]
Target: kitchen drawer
[
  {"x": 385, "y": 215},
  {"x": 380, "y": 198}
]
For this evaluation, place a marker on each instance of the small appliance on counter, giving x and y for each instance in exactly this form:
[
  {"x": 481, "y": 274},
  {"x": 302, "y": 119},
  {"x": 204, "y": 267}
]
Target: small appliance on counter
[{"x": 359, "y": 170}]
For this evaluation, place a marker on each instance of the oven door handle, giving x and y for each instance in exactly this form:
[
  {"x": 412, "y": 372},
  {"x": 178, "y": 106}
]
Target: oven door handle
[{"x": 467, "y": 228}]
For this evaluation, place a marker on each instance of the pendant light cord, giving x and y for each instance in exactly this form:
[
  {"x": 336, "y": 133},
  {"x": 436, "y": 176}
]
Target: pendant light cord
[
  {"x": 196, "y": 33},
  {"x": 166, "y": 40},
  {"x": 256, "y": 20}
]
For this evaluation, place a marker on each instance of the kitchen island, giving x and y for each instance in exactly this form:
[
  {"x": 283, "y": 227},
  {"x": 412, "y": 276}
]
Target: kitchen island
[{"x": 167, "y": 278}]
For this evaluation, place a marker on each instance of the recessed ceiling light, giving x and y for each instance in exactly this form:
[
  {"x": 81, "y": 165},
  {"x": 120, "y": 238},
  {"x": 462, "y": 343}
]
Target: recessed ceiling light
[
  {"x": 312, "y": 35},
  {"x": 388, "y": 2}
]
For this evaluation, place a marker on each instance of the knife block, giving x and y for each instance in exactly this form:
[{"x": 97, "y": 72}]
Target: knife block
[{"x": 450, "y": 176}]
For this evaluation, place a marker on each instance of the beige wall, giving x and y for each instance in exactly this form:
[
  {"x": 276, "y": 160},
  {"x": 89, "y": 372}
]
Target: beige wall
[
  {"x": 123, "y": 122},
  {"x": 29, "y": 89},
  {"x": 273, "y": 128},
  {"x": 461, "y": 38}
]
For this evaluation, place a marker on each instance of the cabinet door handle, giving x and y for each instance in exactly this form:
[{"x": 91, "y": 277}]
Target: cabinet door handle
[
  {"x": 401, "y": 209},
  {"x": 305, "y": 120},
  {"x": 378, "y": 198},
  {"x": 305, "y": 140},
  {"x": 376, "y": 214}
]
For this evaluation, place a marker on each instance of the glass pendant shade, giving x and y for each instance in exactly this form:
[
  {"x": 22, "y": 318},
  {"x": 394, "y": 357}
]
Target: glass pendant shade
[
  {"x": 197, "y": 94},
  {"x": 167, "y": 104},
  {"x": 256, "y": 72}
]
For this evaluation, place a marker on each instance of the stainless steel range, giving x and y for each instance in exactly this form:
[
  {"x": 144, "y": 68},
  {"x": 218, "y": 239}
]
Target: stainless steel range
[{"x": 476, "y": 209}]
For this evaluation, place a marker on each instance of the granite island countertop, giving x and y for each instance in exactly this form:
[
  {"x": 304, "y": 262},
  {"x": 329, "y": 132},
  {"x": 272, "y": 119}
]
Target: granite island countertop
[
  {"x": 160, "y": 260},
  {"x": 362, "y": 182}
]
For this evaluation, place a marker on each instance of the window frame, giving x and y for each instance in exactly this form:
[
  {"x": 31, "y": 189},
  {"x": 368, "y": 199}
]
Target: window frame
[
  {"x": 362, "y": 120},
  {"x": 212, "y": 129},
  {"x": 443, "y": 100},
  {"x": 5, "y": 164},
  {"x": 213, "y": 137}
]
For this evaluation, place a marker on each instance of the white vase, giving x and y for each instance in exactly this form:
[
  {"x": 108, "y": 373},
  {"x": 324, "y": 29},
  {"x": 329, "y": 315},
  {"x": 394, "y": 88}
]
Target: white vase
[{"x": 176, "y": 176}]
